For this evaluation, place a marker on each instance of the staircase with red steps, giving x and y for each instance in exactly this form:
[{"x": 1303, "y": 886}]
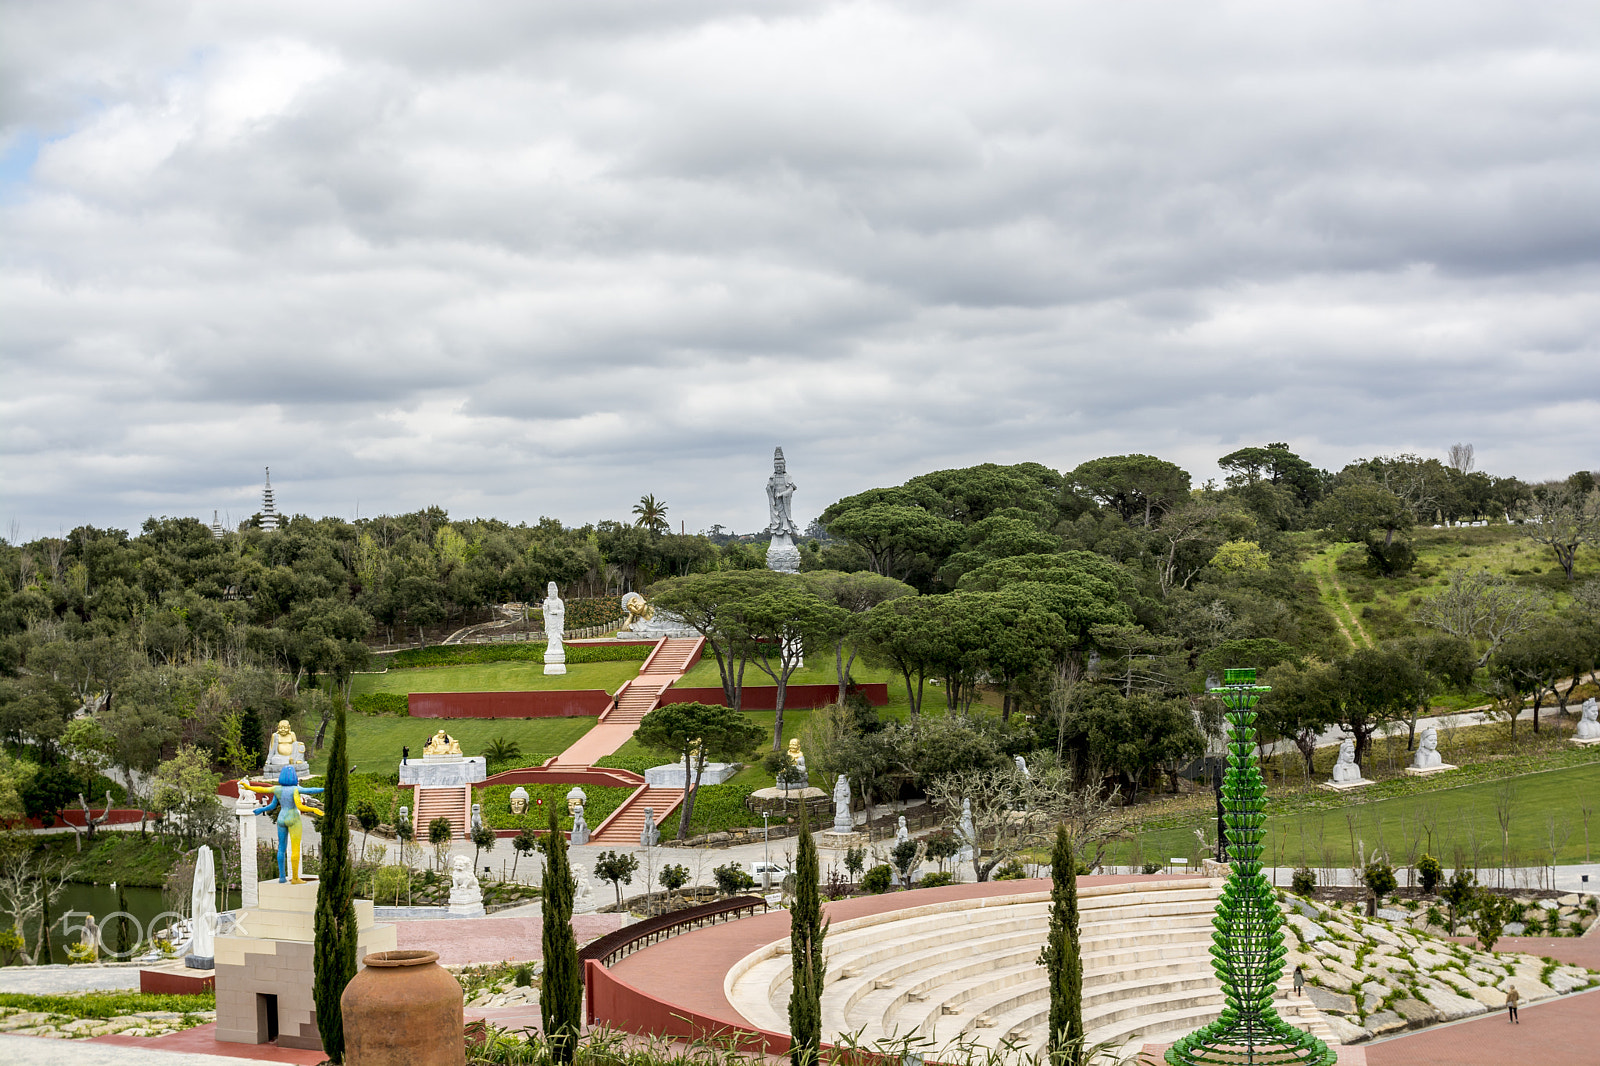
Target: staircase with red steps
[
  {"x": 622, "y": 829},
  {"x": 452, "y": 803}
]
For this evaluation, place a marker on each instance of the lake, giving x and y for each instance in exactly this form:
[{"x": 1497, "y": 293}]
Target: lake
[{"x": 101, "y": 902}]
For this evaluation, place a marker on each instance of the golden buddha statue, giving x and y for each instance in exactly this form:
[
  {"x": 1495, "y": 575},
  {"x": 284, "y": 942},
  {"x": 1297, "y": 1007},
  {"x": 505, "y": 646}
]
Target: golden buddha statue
[
  {"x": 442, "y": 744},
  {"x": 284, "y": 740}
]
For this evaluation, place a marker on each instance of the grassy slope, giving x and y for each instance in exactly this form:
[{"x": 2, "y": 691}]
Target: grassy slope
[
  {"x": 497, "y": 677},
  {"x": 375, "y": 741},
  {"x": 1460, "y": 815}
]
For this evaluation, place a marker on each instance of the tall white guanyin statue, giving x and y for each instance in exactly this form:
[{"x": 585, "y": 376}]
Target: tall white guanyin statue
[
  {"x": 555, "y": 620},
  {"x": 782, "y": 555}
]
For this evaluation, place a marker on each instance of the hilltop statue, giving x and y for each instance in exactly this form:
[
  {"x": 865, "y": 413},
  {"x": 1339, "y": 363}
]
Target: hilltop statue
[
  {"x": 555, "y": 620},
  {"x": 782, "y": 555}
]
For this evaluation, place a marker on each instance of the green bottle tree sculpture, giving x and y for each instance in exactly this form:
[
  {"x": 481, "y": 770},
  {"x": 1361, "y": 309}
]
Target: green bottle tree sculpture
[{"x": 1247, "y": 948}]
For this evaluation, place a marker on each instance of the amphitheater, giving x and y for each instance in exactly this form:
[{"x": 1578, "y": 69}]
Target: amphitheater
[{"x": 958, "y": 966}]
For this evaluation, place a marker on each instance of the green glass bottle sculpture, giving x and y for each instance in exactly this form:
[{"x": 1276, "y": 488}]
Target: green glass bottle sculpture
[{"x": 1247, "y": 948}]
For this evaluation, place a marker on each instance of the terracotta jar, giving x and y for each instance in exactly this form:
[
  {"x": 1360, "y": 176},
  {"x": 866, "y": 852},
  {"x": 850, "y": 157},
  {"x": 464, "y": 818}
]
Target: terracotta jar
[{"x": 403, "y": 1009}]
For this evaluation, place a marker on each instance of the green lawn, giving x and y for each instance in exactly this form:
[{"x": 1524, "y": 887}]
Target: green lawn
[
  {"x": 498, "y": 677},
  {"x": 1464, "y": 818},
  {"x": 375, "y": 740}
]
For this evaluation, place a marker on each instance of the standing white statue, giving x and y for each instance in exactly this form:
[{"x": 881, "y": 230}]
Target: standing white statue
[
  {"x": 203, "y": 912},
  {"x": 1588, "y": 725},
  {"x": 1022, "y": 767},
  {"x": 650, "y": 835},
  {"x": 555, "y": 620},
  {"x": 966, "y": 832},
  {"x": 842, "y": 822},
  {"x": 580, "y": 828},
  {"x": 902, "y": 834},
  {"x": 1345, "y": 770},
  {"x": 782, "y": 555},
  {"x": 582, "y": 891}
]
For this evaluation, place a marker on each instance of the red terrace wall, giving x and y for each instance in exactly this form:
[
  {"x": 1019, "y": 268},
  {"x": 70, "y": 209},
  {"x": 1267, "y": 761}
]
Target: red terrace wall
[
  {"x": 618, "y": 1004},
  {"x": 162, "y": 983},
  {"x": 74, "y": 816},
  {"x": 765, "y": 697},
  {"x": 599, "y": 777},
  {"x": 554, "y": 703}
]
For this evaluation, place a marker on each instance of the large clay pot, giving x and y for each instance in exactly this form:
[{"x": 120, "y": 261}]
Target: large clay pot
[{"x": 404, "y": 1009}]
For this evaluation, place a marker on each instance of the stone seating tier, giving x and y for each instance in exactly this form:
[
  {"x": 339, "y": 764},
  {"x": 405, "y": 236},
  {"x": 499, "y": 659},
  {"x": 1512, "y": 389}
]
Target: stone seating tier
[{"x": 967, "y": 969}]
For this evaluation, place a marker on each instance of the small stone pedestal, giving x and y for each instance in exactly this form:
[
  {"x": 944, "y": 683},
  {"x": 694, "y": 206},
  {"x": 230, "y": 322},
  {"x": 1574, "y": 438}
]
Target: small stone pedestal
[
  {"x": 1345, "y": 786},
  {"x": 1424, "y": 771},
  {"x": 837, "y": 841},
  {"x": 444, "y": 771},
  {"x": 670, "y": 775},
  {"x": 1583, "y": 741}
]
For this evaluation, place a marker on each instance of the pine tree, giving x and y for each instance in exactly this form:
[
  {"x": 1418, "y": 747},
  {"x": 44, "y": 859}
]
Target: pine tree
[
  {"x": 334, "y": 960},
  {"x": 1061, "y": 956},
  {"x": 561, "y": 999},
  {"x": 806, "y": 931}
]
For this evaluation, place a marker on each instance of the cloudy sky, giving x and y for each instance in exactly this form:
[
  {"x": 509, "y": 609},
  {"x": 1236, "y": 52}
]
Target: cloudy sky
[{"x": 523, "y": 259}]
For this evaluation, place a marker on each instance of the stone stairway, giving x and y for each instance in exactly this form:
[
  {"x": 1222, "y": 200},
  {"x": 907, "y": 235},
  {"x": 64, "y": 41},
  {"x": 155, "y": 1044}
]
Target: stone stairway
[
  {"x": 636, "y": 698},
  {"x": 967, "y": 970},
  {"x": 452, "y": 803},
  {"x": 622, "y": 829}
]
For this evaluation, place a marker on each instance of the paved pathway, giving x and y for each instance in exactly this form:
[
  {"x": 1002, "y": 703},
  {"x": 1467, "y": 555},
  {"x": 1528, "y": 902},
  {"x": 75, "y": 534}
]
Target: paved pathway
[
  {"x": 109, "y": 1051},
  {"x": 1557, "y": 1032},
  {"x": 461, "y": 941},
  {"x": 51, "y": 980}
]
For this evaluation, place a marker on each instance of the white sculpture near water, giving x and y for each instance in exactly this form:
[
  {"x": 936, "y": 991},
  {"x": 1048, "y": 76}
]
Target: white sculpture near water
[
  {"x": 466, "y": 895},
  {"x": 1427, "y": 759},
  {"x": 1346, "y": 771},
  {"x": 782, "y": 555},
  {"x": 1588, "y": 725},
  {"x": 203, "y": 913},
  {"x": 555, "y": 619}
]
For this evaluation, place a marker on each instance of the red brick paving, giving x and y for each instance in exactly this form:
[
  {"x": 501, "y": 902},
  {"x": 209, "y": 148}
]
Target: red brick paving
[
  {"x": 462, "y": 941},
  {"x": 1564, "y": 1031},
  {"x": 202, "y": 1040}
]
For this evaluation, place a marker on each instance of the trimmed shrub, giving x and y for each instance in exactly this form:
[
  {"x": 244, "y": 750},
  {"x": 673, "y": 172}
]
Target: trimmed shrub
[
  {"x": 1010, "y": 870},
  {"x": 878, "y": 879},
  {"x": 1304, "y": 882},
  {"x": 1428, "y": 872},
  {"x": 937, "y": 879}
]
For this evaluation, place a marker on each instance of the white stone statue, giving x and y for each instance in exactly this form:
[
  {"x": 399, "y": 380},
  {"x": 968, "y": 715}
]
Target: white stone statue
[
  {"x": 782, "y": 555},
  {"x": 519, "y": 800},
  {"x": 649, "y": 836},
  {"x": 1345, "y": 771},
  {"x": 477, "y": 817},
  {"x": 842, "y": 822},
  {"x": 966, "y": 832},
  {"x": 1427, "y": 756},
  {"x": 580, "y": 828},
  {"x": 555, "y": 618},
  {"x": 1588, "y": 726},
  {"x": 901, "y": 834},
  {"x": 203, "y": 911},
  {"x": 582, "y": 892},
  {"x": 1022, "y": 767},
  {"x": 466, "y": 896}
]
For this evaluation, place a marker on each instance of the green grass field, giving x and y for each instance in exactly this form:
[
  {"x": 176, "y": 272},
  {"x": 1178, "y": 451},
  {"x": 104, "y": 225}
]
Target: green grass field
[
  {"x": 1464, "y": 818},
  {"x": 375, "y": 741},
  {"x": 498, "y": 677}
]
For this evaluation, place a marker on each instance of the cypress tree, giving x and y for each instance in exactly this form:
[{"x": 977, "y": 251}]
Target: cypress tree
[
  {"x": 334, "y": 960},
  {"x": 806, "y": 931},
  {"x": 1061, "y": 956},
  {"x": 561, "y": 999}
]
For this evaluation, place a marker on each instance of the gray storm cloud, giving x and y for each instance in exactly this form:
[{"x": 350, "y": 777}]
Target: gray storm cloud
[{"x": 524, "y": 262}]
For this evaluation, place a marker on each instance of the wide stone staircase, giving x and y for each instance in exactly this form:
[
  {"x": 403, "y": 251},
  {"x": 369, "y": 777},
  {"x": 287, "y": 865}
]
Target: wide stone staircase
[
  {"x": 967, "y": 970},
  {"x": 453, "y": 803}
]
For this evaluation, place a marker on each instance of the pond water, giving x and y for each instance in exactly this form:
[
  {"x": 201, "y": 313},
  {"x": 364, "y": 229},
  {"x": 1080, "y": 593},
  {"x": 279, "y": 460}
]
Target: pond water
[{"x": 100, "y": 901}]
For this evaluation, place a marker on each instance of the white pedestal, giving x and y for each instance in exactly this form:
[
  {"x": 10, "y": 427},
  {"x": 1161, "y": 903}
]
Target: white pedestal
[
  {"x": 1584, "y": 741},
  {"x": 1345, "y": 786},
  {"x": 671, "y": 775},
  {"x": 444, "y": 771},
  {"x": 1424, "y": 771},
  {"x": 244, "y": 809}
]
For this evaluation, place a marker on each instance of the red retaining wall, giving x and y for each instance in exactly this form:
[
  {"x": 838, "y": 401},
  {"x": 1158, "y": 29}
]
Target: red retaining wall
[
  {"x": 765, "y": 697},
  {"x": 74, "y": 816},
  {"x": 612, "y": 1000},
  {"x": 166, "y": 983},
  {"x": 554, "y": 703},
  {"x": 599, "y": 776}
]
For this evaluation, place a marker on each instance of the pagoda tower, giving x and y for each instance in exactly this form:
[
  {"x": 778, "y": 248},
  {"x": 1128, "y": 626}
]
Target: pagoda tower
[
  {"x": 216, "y": 526},
  {"x": 269, "y": 513}
]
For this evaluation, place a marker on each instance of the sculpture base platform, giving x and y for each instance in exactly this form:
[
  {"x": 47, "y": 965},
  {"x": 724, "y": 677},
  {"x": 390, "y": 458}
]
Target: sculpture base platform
[
  {"x": 448, "y": 771},
  {"x": 1424, "y": 771},
  {"x": 467, "y": 910},
  {"x": 807, "y": 792},
  {"x": 782, "y": 555},
  {"x": 271, "y": 770},
  {"x": 832, "y": 838},
  {"x": 1345, "y": 786},
  {"x": 1584, "y": 741},
  {"x": 555, "y": 668},
  {"x": 175, "y": 978},
  {"x": 671, "y": 775}
]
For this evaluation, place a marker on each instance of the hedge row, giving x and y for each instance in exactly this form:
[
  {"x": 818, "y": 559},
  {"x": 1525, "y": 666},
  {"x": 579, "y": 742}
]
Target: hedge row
[
  {"x": 526, "y": 651},
  {"x": 717, "y": 808},
  {"x": 496, "y": 803},
  {"x": 381, "y": 703}
]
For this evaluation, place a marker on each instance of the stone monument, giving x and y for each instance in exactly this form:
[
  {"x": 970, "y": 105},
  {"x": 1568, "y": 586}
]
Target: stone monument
[
  {"x": 1346, "y": 772},
  {"x": 966, "y": 832},
  {"x": 443, "y": 765},
  {"x": 1427, "y": 759},
  {"x": 466, "y": 896},
  {"x": 1588, "y": 725},
  {"x": 576, "y": 797},
  {"x": 284, "y": 749},
  {"x": 649, "y": 836},
  {"x": 782, "y": 555},
  {"x": 203, "y": 912},
  {"x": 901, "y": 833},
  {"x": 519, "y": 801},
  {"x": 555, "y": 617},
  {"x": 842, "y": 822},
  {"x": 582, "y": 891},
  {"x": 580, "y": 828},
  {"x": 244, "y": 812}
]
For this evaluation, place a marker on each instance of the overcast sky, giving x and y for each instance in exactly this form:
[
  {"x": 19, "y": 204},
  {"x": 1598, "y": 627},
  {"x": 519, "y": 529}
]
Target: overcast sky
[{"x": 523, "y": 259}]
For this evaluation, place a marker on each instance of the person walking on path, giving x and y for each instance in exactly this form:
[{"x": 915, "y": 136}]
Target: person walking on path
[
  {"x": 1512, "y": 997},
  {"x": 1299, "y": 980}
]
